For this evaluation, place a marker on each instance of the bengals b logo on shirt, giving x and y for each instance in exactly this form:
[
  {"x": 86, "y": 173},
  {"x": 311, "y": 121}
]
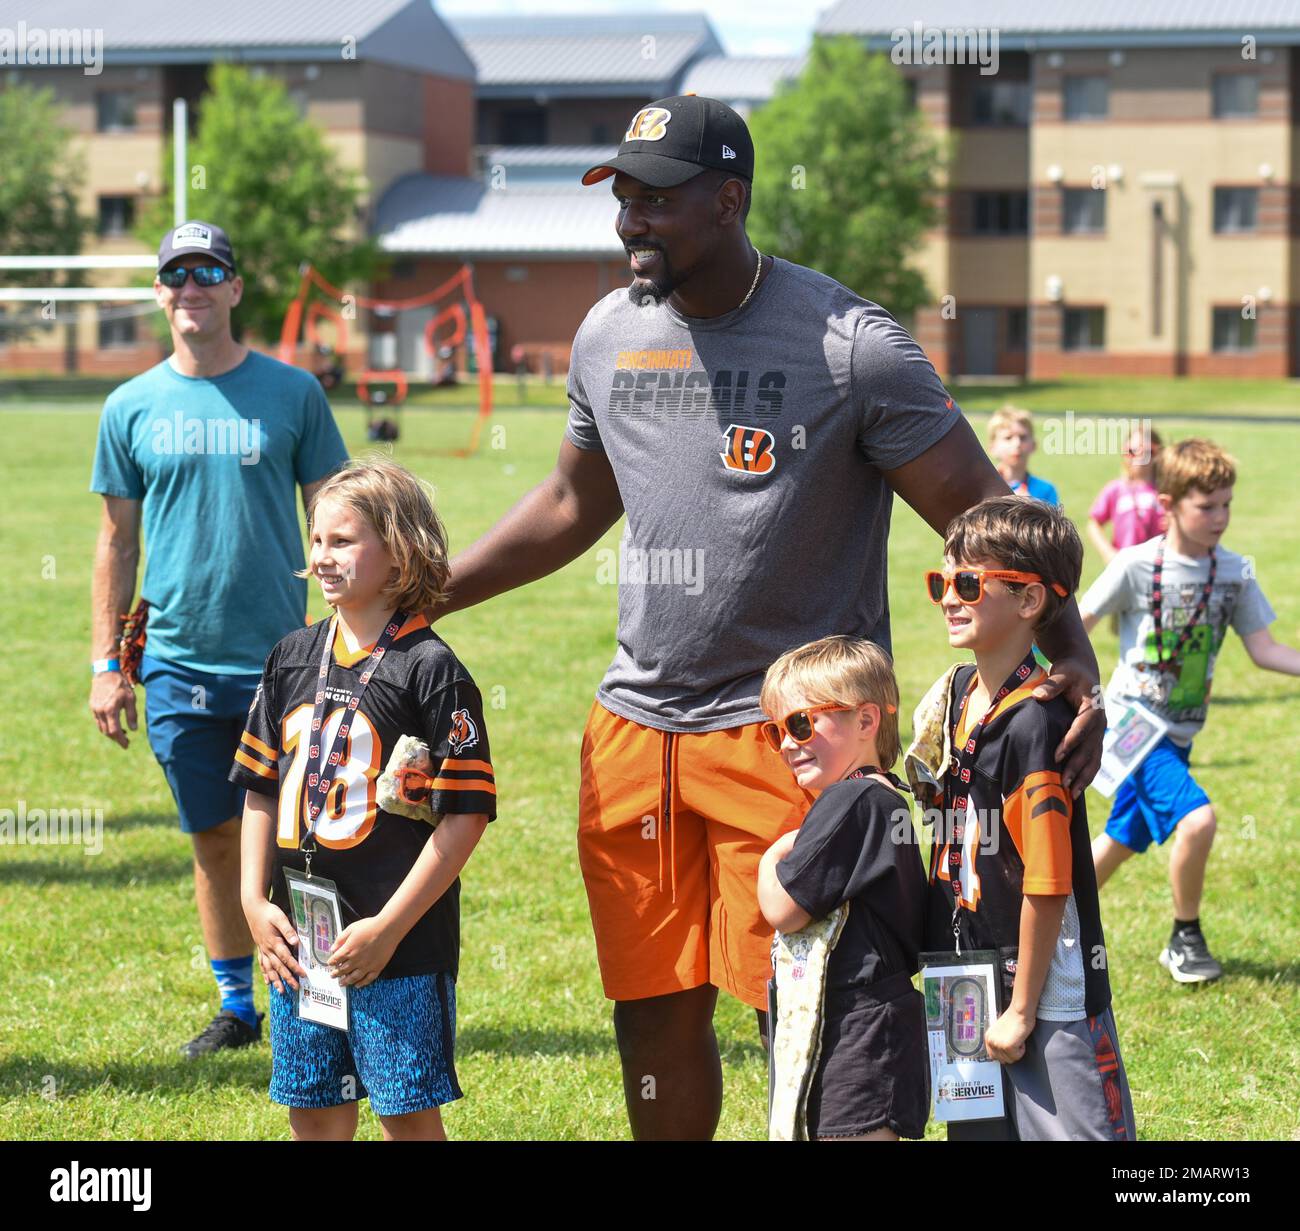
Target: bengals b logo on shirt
[
  {"x": 463, "y": 733},
  {"x": 749, "y": 449}
]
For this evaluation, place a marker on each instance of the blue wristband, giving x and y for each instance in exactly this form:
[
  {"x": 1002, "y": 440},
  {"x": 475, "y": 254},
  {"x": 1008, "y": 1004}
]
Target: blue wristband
[{"x": 100, "y": 665}]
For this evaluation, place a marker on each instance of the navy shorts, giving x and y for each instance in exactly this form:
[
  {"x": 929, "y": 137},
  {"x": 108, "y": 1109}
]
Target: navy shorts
[
  {"x": 1155, "y": 797},
  {"x": 399, "y": 1049},
  {"x": 194, "y": 720}
]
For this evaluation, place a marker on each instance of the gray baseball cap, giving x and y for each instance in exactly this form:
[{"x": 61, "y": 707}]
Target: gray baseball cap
[{"x": 199, "y": 238}]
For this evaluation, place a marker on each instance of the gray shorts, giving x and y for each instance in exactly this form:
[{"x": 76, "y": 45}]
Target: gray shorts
[{"x": 1070, "y": 1085}]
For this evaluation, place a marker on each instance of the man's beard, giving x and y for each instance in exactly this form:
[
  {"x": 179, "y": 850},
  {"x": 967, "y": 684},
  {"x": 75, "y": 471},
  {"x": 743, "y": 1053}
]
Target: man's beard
[{"x": 644, "y": 291}]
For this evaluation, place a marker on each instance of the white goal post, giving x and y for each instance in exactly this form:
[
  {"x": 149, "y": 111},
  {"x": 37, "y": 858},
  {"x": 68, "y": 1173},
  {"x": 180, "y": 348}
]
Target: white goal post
[{"x": 85, "y": 294}]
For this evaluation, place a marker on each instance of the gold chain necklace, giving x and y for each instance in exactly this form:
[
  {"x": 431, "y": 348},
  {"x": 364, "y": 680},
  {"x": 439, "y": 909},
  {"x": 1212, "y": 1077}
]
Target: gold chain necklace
[{"x": 758, "y": 269}]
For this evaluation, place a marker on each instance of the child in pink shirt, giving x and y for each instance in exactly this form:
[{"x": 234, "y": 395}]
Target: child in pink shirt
[{"x": 1129, "y": 504}]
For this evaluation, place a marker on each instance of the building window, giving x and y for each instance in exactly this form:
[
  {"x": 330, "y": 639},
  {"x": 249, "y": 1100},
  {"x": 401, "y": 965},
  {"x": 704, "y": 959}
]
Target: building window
[
  {"x": 116, "y": 216},
  {"x": 1085, "y": 329},
  {"x": 523, "y": 127},
  {"x": 1000, "y": 213},
  {"x": 116, "y": 330},
  {"x": 1235, "y": 94},
  {"x": 1085, "y": 211},
  {"x": 1017, "y": 327},
  {"x": 911, "y": 87},
  {"x": 600, "y": 134},
  {"x": 1232, "y": 331},
  {"x": 1086, "y": 98},
  {"x": 1000, "y": 103},
  {"x": 1235, "y": 209},
  {"x": 114, "y": 111}
]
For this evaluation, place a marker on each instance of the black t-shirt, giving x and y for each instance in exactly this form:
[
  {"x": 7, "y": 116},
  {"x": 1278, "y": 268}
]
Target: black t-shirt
[
  {"x": 419, "y": 688},
  {"x": 1022, "y": 832},
  {"x": 857, "y": 845}
]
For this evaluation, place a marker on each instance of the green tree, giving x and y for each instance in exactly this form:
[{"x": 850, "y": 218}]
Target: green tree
[
  {"x": 847, "y": 175},
  {"x": 265, "y": 175},
  {"x": 40, "y": 181}
]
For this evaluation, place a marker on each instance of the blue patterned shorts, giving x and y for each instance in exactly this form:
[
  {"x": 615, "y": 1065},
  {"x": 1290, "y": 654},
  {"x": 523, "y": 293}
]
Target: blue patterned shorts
[{"x": 399, "y": 1049}]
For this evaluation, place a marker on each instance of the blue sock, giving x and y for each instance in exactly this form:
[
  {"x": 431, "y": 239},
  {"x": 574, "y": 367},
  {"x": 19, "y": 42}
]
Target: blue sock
[{"x": 234, "y": 977}]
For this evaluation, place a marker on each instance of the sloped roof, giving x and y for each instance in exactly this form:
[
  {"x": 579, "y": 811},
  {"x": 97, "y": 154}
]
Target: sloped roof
[
  {"x": 1066, "y": 23},
  {"x": 587, "y": 55},
  {"x": 448, "y": 215},
  {"x": 748, "y": 79},
  {"x": 404, "y": 32}
]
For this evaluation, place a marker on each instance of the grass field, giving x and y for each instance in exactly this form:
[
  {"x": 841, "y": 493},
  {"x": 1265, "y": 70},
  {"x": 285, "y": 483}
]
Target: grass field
[{"x": 100, "y": 957}]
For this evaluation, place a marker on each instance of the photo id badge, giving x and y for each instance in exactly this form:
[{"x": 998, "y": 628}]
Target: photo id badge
[
  {"x": 961, "y": 1002},
  {"x": 318, "y": 920}
]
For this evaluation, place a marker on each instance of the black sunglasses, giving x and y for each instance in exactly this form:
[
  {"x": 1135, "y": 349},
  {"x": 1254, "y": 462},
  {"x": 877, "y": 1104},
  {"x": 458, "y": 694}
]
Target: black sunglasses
[{"x": 204, "y": 275}]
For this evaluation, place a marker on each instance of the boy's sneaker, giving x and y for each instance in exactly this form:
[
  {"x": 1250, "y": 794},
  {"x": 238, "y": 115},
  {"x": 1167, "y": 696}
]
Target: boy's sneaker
[
  {"x": 1188, "y": 959},
  {"x": 227, "y": 1029}
]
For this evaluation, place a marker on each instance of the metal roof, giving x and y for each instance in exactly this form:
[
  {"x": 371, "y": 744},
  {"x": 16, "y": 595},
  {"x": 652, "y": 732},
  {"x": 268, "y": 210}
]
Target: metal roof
[
  {"x": 450, "y": 216},
  {"x": 589, "y": 55},
  {"x": 748, "y": 79},
  {"x": 404, "y": 32},
  {"x": 1065, "y": 23}
]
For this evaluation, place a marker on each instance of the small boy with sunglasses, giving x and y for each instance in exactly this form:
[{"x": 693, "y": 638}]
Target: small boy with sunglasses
[
  {"x": 1011, "y": 866},
  {"x": 839, "y": 736}
]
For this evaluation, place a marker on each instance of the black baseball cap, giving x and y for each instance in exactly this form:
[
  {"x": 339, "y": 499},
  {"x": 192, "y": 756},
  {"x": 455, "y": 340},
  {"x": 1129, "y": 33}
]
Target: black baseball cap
[
  {"x": 674, "y": 139},
  {"x": 196, "y": 237}
]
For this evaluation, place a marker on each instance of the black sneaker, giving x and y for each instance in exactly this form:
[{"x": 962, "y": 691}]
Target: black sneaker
[
  {"x": 227, "y": 1029},
  {"x": 1188, "y": 959}
]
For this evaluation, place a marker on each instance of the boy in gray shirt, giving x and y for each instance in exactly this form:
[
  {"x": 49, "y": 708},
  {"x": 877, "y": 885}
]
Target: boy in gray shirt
[{"x": 1175, "y": 597}]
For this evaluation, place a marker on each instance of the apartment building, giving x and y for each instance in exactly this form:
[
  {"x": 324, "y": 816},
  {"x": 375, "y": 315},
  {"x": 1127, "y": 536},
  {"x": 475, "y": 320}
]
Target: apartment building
[
  {"x": 386, "y": 81},
  {"x": 1123, "y": 196}
]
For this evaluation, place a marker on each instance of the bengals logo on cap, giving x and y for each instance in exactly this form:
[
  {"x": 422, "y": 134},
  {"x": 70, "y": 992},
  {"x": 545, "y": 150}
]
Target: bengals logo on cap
[
  {"x": 463, "y": 733},
  {"x": 649, "y": 124},
  {"x": 750, "y": 449}
]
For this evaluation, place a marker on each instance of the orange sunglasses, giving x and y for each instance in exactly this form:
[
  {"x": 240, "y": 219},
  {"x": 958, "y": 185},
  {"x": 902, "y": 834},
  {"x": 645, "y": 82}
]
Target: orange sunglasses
[
  {"x": 798, "y": 725},
  {"x": 968, "y": 583}
]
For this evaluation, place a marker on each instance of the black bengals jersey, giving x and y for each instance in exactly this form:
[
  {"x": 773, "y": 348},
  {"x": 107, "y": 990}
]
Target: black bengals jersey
[
  {"x": 419, "y": 688},
  {"x": 1020, "y": 832}
]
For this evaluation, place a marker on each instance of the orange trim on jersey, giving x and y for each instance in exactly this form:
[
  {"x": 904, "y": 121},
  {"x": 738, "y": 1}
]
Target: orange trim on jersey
[
  {"x": 464, "y": 784},
  {"x": 349, "y": 658},
  {"x": 483, "y": 767},
  {"x": 1037, "y": 815},
  {"x": 256, "y": 766},
  {"x": 1014, "y": 697},
  {"x": 257, "y": 746}
]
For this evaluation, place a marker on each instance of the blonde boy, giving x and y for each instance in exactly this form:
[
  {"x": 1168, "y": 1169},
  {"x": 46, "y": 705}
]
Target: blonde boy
[
  {"x": 1011, "y": 442},
  {"x": 1175, "y": 596}
]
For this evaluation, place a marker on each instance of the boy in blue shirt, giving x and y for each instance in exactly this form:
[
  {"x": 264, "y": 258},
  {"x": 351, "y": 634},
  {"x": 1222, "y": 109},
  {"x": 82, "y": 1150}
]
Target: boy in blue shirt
[{"x": 1011, "y": 442}]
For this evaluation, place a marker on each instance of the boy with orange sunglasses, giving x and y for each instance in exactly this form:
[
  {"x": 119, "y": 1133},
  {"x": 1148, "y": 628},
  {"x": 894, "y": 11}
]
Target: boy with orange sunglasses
[
  {"x": 864, "y": 1074},
  {"x": 1011, "y": 865}
]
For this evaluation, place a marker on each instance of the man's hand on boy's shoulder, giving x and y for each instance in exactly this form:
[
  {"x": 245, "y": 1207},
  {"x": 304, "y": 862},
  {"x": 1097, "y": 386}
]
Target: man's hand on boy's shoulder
[{"x": 1080, "y": 750}]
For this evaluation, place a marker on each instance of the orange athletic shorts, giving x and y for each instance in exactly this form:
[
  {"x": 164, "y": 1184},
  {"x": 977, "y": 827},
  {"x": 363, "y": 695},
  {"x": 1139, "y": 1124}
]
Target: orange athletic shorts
[{"x": 670, "y": 831}]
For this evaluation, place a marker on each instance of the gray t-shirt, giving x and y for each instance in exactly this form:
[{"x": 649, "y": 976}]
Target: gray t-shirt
[
  {"x": 1125, "y": 586},
  {"x": 748, "y": 450}
]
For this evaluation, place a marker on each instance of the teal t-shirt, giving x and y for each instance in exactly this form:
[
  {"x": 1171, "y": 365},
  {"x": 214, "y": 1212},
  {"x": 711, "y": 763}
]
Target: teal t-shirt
[{"x": 217, "y": 463}]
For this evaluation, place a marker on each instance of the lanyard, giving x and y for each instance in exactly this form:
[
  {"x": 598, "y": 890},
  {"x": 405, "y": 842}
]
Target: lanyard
[
  {"x": 1157, "y": 601},
  {"x": 318, "y": 778},
  {"x": 963, "y": 761}
]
